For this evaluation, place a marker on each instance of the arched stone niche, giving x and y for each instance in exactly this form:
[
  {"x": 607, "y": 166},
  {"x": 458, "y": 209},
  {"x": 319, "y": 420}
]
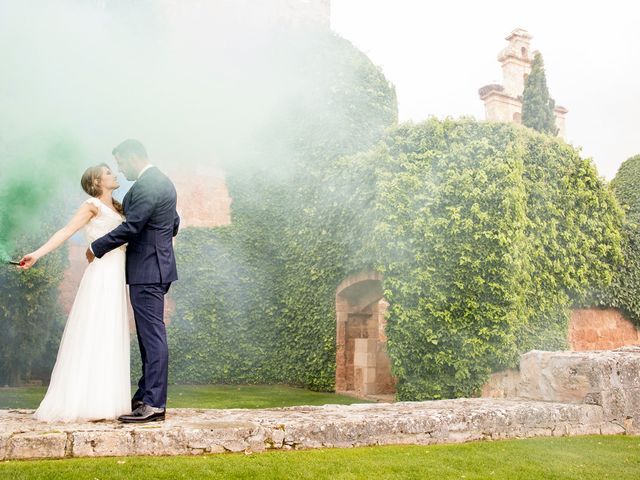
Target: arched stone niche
[{"x": 362, "y": 363}]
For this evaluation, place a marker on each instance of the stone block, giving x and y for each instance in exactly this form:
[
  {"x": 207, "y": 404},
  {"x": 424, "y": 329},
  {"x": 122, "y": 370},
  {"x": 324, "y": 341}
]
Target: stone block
[
  {"x": 235, "y": 445},
  {"x": 502, "y": 384},
  {"x": 365, "y": 352},
  {"x": 277, "y": 438},
  {"x": 605, "y": 378},
  {"x": 553, "y": 376},
  {"x": 102, "y": 443},
  {"x": 258, "y": 440},
  {"x": 202, "y": 441},
  {"x": 369, "y": 375},
  {"x": 370, "y": 388},
  {"x": 33, "y": 445},
  {"x": 364, "y": 359},
  {"x": 159, "y": 441},
  {"x": 4, "y": 443},
  {"x": 223, "y": 435},
  {"x": 609, "y": 428}
]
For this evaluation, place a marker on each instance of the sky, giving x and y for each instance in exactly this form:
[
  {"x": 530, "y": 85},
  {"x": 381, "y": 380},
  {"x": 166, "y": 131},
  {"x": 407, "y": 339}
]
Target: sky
[{"x": 438, "y": 54}]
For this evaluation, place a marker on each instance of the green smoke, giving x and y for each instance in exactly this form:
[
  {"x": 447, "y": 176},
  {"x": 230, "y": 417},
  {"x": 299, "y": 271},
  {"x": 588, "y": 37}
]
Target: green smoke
[{"x": 35, "y": 173}]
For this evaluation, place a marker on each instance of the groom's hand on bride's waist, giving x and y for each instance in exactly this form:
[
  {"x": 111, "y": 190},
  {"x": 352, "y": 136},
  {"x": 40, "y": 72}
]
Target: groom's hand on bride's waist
[{"x": 90, "y": 255}]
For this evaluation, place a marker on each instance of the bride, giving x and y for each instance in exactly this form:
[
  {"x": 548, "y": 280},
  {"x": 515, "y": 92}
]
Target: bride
[{"x": 90, "y": 379}]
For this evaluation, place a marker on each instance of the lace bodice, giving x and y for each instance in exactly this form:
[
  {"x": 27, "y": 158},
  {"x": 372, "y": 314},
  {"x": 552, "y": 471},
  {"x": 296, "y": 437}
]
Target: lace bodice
[{"x": 106, "y": 220}]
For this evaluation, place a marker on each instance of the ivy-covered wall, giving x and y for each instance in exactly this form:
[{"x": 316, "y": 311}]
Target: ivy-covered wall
[
  {"x": 484, "y": 233},
  {"x": 243, "y": 315},
  {"x": 624, "y": 291}
]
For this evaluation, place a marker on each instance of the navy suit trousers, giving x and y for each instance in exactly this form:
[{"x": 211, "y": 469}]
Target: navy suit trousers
[{"x": 148, "y": 309}]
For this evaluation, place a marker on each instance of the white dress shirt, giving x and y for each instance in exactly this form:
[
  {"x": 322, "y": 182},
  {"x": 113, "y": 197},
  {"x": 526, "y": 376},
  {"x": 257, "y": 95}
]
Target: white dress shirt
[{"x": 144, "y": 170}]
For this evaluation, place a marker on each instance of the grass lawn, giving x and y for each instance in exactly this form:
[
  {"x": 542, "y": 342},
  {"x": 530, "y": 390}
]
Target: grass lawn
[
  {"x": 579, "y": 458},
  {"x": 203, "y": 396}
]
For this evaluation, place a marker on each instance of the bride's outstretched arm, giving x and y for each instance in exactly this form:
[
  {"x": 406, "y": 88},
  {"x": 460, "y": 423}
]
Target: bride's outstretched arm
[{"x": 85, "y": 213}]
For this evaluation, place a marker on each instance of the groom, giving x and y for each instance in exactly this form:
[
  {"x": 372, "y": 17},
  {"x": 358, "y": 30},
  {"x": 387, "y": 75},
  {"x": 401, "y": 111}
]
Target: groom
[{"x": 150, "y": 225}]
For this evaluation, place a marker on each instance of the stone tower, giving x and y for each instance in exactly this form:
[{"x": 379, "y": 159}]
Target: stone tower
[{"x": 503, "y": 103}]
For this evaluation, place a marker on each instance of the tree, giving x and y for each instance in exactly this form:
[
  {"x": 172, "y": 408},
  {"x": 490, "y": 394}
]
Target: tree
[
  {"x": 30, "y": 316},
  {"x": 32, "y": 207},
  {"x": 537, "y": 105},
  {"x": 624, "y": 291},
  {"x": 625, "y": 186}
]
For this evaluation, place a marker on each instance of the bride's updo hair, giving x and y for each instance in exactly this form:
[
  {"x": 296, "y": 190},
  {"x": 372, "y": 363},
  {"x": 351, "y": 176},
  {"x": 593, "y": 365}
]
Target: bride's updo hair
[{"x": 90, "y": 183}]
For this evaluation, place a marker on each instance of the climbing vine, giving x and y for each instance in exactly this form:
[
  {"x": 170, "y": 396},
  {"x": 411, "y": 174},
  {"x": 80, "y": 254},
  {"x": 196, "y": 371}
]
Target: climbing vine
[{"x": 484, "y": 233}]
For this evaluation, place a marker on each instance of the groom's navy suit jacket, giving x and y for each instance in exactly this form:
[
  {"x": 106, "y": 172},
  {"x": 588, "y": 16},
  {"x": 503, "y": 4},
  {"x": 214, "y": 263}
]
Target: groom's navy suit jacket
[{"x": 150, "y": 225}]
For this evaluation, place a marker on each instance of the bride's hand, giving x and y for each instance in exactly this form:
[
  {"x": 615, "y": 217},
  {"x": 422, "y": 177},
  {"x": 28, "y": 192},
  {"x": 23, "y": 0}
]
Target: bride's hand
[{"x": 28, "y": 261}]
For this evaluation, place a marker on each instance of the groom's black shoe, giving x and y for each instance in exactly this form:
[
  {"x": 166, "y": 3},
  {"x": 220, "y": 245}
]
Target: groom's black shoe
[
  {"x": 135, "y": 404},
  {"x": 142, "y": 414}
]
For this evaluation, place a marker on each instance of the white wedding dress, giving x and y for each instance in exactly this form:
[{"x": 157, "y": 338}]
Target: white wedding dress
[{"x": 90, "y": 379}]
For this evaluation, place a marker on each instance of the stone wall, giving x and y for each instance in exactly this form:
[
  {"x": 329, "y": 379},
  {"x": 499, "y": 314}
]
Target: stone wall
[
  {"x": 608, "y": 379},
  {"x": 203, "y": 198},
  {"x": 560, "y": 394},
  {"x": 196, "y": 432},
  {"x": 590, "y": 329},
  {"x": 601, "y": 329}
]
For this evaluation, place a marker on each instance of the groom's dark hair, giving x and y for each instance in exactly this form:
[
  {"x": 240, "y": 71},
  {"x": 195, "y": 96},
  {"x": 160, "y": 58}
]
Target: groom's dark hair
[{"x": 130, "y": 147}]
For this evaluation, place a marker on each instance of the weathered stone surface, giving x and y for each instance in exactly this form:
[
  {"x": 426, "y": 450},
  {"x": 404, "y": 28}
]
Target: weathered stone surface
[
  {"x": 277, "y": 438},
  {"x": 570, "y": 393},
  {"x": 257, "y": 440},
  {"x": 4, "y": 441},
  {"x": 502, "y": 384},
  {"x": 605, "y": 378},
  {"x": 38, "y": 444},
  {"x": 193, "y": 432},
  {"x": 158, "y": 440},
  {"x": 102, "y": 443},
  {"x": 601, "y": 329}
]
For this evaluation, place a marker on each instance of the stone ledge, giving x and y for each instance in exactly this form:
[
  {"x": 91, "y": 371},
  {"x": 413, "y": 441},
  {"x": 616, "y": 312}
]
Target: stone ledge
[
  {"x": 561, "y": 393},
  {"x": 198, "y": 431},
  {"x": 607, "y": 378}
]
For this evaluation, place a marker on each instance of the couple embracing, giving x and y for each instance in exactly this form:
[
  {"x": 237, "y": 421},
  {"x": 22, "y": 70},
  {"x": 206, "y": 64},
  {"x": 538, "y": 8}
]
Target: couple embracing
[{"x": 129, "y": 244}]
